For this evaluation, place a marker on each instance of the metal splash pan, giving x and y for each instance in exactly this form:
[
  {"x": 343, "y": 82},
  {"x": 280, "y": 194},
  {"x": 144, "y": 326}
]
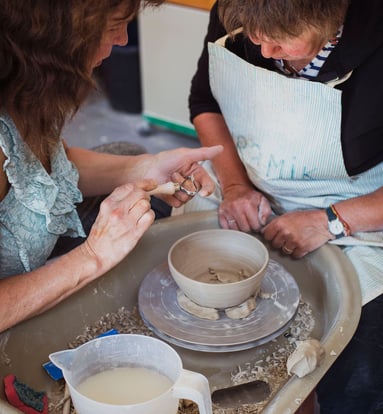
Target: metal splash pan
[{"x": 159, "y": 309}]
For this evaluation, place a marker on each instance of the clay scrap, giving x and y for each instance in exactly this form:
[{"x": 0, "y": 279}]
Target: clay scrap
[
  {"x": 306, "y": 358},
  {"x": 194, "y": 309},
  {"x": 243, "y": 310},
  {"x": 217, "y": 276}
]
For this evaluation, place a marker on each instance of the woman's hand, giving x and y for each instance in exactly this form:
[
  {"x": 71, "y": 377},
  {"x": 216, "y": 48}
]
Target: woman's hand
[
  {"x": 243, "y": 208},
  {"x": 298, "y": 232},
  {"x": 124, "y": 217},
  {"x": 176, "y": 165}
]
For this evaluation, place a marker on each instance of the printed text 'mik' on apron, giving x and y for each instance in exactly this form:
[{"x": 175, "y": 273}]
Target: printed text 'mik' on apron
[{"x": 287, "y": 132}]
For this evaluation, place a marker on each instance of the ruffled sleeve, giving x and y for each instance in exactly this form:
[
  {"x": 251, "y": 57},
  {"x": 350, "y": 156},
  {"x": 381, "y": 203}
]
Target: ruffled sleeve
[{"x": 54, "y": 196}]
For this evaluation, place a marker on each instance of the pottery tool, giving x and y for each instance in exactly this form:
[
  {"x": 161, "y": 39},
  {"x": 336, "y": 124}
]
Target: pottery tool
[
  {"x": 248, "y": 393},
  {"x": 166, "y": 188},
  {"x": 188, "y": 186},
  {"x": 55, "y": 373},
  {"x": 24, "y": 398},
  {"x": 67, "y": 400}
]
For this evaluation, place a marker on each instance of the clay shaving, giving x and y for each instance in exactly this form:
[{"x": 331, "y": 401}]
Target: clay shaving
[
  {"x": 271, "y": 368},
  {"x": 222, "y": 276}
]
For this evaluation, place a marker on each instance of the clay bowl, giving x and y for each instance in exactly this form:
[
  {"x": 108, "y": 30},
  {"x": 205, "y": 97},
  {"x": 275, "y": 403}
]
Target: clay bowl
[{"x": 205, "y": 263}]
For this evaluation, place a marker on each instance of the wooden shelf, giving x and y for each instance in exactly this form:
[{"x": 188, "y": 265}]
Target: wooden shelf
[{"x": 198, "y": 4}]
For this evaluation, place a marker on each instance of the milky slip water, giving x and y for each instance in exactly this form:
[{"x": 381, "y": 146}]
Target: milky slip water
[
  {"x": 133, "y": 374},
  {"x": 125, "y": 385}
]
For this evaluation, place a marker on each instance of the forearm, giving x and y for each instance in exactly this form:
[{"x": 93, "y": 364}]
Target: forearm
[
  {"x": 363, "y": 213},
  {"x": 26, "y": 295},
  {"x": 302, "y": 231},
  {"x": 212, "y": 130},
  {"x": 101, "y": 173}
]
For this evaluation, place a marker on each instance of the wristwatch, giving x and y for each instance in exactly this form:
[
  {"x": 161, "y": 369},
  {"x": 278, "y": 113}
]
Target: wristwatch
[{"x": 335, "y": 226}]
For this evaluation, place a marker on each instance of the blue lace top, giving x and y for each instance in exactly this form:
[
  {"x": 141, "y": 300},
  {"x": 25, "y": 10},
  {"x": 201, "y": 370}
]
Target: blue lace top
[{"x": 38, "y": 208}]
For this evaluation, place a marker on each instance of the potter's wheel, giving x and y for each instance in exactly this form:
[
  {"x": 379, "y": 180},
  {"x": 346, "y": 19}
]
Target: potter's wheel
[{"x": 158, "y": 306}]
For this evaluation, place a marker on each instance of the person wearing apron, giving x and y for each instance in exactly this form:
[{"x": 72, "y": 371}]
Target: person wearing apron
[{"x": 294, "y": 95}]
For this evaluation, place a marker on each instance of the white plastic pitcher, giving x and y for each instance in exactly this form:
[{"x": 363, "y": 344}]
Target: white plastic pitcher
[{"x": 125, "y": 350}]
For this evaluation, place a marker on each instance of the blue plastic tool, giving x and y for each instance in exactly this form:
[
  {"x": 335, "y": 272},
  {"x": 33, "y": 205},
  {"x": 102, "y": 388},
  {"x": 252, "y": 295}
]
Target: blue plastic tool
[{"x": 55, "y": 372}]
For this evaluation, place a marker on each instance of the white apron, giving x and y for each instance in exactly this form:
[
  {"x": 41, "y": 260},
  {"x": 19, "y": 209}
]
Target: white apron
[{"x": 287, "y": 133}]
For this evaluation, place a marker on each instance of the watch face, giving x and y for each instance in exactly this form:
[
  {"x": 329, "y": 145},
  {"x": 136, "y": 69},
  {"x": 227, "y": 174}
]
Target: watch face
[{"x": 335, "y": 227}]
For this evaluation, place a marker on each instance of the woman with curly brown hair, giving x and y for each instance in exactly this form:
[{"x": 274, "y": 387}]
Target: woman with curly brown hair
[{"x": 48, "y": 50}]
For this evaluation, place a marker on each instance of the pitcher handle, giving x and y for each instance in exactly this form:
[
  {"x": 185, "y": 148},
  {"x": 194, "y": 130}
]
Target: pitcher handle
[{"x": 194, "y": 386}]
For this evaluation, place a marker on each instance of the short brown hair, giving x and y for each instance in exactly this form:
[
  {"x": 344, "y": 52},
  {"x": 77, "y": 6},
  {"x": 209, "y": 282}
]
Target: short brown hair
[
  {"x": 45, "y": 49},
  {"x": 280, "y": 19}
]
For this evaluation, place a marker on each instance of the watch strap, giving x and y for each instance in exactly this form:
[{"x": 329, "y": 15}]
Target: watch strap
[
  {"x": 346, "y": 226},
  {"x": 333, "y": 216}
]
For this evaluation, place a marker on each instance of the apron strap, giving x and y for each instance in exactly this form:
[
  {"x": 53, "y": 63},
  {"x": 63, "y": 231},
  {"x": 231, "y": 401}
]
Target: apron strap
[
  {"x": 338, "y": 81},
  {"x": 222, "y": 40}
]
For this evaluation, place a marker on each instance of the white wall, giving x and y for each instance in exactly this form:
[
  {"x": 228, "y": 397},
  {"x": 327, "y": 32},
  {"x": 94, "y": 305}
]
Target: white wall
[{"x": 171, "y": 40}]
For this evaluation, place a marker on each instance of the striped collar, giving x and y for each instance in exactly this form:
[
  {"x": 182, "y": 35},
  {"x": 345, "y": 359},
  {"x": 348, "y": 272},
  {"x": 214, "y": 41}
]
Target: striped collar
[{"x": 312, "y": 69}]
